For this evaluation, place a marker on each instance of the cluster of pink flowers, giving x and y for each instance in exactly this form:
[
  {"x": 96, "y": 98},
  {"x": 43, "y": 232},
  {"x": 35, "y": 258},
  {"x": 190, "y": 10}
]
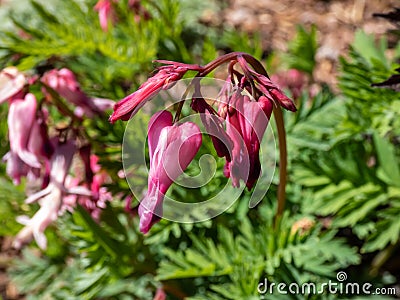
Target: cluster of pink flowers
[
  {"x": 45, "y": 159},
  {"x": 245, "y": 105}
]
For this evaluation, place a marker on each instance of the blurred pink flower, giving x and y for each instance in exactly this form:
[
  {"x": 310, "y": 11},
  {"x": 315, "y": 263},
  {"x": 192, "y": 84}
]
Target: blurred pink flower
[
  {"x": 21, "y": 118},
  {"x": 29, "y": 142},
  {"x": 160, "y": 295},
  {"x": 292, "y": 79},
  {"x": 39, "y": 143},
  {"x": 16, "y": 168},
  {"x": 12, "y": 83},
  {"x": 93, "y": 180},
  {"x": 63, "y": 81},
  {"x": 100, "y": 194},
  {"x": 139, "y": 11},
  {"x": 50, "y": 199},
  {"x": 106, "y": 13},
  {"x": 171, "y": 149},
  {"x": 165, "y": 78}
]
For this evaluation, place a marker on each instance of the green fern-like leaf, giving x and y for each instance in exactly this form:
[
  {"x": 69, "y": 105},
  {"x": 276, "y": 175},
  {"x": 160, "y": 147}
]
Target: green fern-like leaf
[
  {"x": 302, "y": 50},
  {"x": 270, "y": 251}
]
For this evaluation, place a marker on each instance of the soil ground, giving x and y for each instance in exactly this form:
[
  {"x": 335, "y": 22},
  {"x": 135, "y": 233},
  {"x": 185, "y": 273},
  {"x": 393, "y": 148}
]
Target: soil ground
[{"x": 336, "y": 23}]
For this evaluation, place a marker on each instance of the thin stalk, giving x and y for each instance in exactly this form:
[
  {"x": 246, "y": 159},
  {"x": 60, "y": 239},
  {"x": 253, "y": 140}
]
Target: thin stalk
[
  {"x": 183, "y": 99},
  {"x": 278, "y": 116},
  {"x": 381, "y": 258}
]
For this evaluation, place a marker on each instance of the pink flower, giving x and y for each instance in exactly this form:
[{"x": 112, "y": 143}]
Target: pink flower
[
  {"x": 164, "y": 79},
  {"x": 50, "y": 199},
  {"x": 139, "y": 11},
  {"x": 12, "y": 83},
  {"x": 160, "y": 295},
  {"x": 29, "y": 142},
  {"x": 171, "y": 149},
  {"x": 100, "y": 194},
  {"x": 63, "y": 81},
  {"x": 106, "y": 13},
  {"x": 21, "y": 121},
  {"x": 292, "y": 79},
  {"x": 16, "y": 168},
  {"x": 93, "y": 178},
  {"x": 246, "y": 122},
  {"x": 39, "y": 142}
]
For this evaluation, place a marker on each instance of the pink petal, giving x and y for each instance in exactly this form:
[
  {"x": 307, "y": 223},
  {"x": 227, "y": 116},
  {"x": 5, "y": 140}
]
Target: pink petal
[
  {"x": 172, "y": 148},
  {"x": 21, "y": 117},
  {"x": 11, "y": 83},
  {"x": 157, "y": 122}
]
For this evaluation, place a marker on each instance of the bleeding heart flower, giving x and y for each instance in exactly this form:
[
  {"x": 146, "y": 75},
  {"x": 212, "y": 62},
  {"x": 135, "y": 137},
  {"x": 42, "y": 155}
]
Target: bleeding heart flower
[
  {"x": 50, "y": 199},
  {"x": 164, "y": 79},
  {"x": 21, "y": 120},
  {"x": 106, "y": 13},
  {"x": 63, "y": 81},
  {"x": 172, "y": 147},
  {"x": 246, "y": 123}
]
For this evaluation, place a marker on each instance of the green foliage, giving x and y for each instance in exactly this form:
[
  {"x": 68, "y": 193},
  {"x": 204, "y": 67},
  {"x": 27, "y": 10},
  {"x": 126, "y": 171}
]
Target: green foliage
[
  {"x": 54, "y": 280},
  {"x": 313, "y": 127},
  {"x": 344, "y": 167},
  {"x": 302, "y": 50},
  {"x": 355, "y": 178},
  {"x": 276, "y": 252},
  {"x": 369, "y": 108},
  {"x": 99, "y": 261},
  {"x": 11, "y": 206},
  {"x": 238, "y": 41}
]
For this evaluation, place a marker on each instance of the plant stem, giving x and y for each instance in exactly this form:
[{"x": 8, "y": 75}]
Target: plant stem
[
  {"x": 381, "y": 258},
  {"x": 282, "y": 160},
  {"x": 183, "y": 98}
]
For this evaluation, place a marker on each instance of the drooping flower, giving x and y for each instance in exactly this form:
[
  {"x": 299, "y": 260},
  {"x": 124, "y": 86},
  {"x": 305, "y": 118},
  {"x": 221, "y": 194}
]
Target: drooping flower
[
  {"x": 106, "y": 13},
  {"x": 21, "y": 120},
  {"x": 171, "y": 147},
  {"x": 246, "y": 122},
  {"x": 63, "y": 81},
  {"x": 30, "y": 147},
  {"x": 50, "y": 199},
  {"x": 12, "y": 83},
  {"x": 164, "y": 79}
]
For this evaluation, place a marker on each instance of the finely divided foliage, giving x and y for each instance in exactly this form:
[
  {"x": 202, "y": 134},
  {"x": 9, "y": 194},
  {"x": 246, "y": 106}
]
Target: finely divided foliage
[{"x": 343, "y": 190}]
